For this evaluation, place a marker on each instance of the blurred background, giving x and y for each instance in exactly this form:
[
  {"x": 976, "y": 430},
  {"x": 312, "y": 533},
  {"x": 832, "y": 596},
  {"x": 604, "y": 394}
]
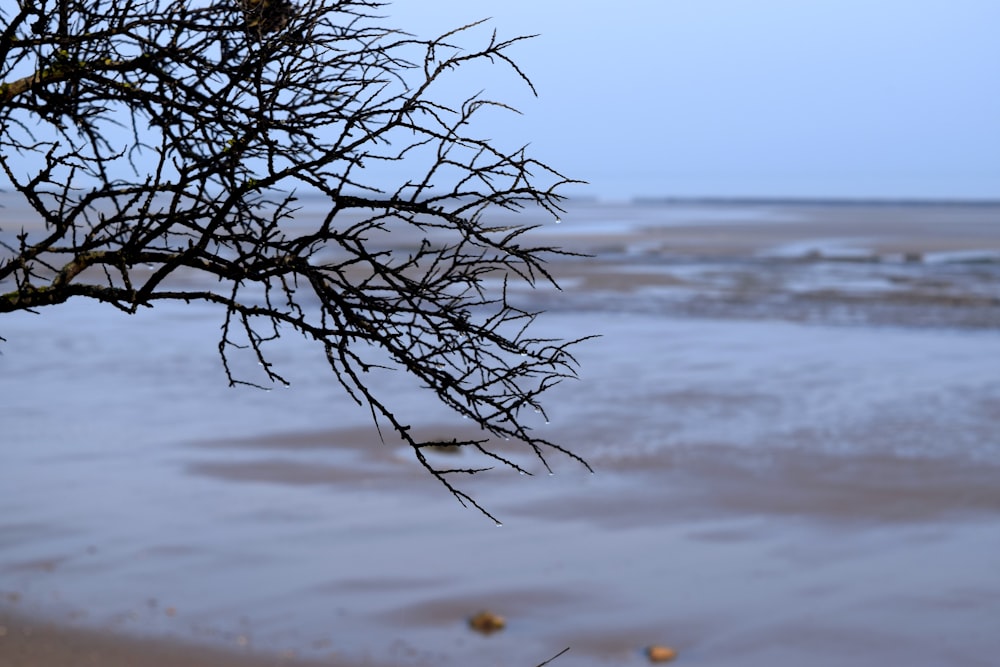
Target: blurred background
[{"x": 772, "y": 98}]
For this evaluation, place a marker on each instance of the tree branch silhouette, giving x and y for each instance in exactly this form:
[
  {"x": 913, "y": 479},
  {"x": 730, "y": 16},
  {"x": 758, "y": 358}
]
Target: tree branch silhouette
[{"x": 162, "y": 144}]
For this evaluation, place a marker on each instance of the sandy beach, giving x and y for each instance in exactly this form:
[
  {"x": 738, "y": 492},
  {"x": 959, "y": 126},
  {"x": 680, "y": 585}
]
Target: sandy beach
[{"x": 792, "y": 411}]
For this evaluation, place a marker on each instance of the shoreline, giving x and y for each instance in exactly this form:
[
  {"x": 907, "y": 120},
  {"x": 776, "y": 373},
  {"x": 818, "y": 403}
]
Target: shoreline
[{"x": 792, "y": 467}]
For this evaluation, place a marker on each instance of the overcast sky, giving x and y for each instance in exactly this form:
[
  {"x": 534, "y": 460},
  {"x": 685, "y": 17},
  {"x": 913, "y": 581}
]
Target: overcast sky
[
  {"x": 846, "y": 98},
  {"x": 821, "y": 98}
]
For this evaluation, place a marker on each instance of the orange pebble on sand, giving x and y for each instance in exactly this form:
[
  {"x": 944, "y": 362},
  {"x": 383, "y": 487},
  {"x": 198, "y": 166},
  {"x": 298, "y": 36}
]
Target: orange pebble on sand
[
  {"x": 487, "y": 622},
  {"x": 660, "y": 653}
]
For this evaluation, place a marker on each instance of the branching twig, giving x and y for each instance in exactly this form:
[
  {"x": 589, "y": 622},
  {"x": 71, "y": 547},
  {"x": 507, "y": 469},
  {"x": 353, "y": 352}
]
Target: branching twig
[{"x": 166, "y": 142}]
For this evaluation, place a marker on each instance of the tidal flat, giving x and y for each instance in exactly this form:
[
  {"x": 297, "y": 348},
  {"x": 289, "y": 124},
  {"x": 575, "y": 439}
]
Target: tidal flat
[{"x": 792, "y": 411}]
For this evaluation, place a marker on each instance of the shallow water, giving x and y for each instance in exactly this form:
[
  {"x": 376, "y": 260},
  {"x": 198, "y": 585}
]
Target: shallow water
[{"x": 771, "y": 487}]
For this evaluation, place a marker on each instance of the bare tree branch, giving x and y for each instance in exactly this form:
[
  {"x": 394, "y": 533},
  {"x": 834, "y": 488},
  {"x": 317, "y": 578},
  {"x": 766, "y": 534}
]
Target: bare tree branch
[{"x": 162, "y": 143}]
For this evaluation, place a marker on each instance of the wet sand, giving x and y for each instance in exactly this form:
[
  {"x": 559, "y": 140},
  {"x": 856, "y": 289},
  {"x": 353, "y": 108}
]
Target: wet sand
[
  {"x": 793, "y": 415},
  {"x": 28, "y": 642}
]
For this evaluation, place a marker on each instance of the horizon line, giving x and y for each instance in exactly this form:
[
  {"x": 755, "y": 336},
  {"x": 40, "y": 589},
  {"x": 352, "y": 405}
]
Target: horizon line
[{"x": 806, "y": 200}]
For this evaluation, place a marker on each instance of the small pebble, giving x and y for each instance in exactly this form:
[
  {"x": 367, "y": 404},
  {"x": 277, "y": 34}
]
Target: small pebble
[
  {"x": 487, "y": 622},
  {"x": 659, "y": 653}
]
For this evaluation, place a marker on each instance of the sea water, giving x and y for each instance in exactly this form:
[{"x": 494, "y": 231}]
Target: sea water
[{"x": 769, "y": 417}]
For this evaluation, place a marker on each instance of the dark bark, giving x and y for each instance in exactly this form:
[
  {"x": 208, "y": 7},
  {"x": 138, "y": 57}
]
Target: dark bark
[{"x": 229, "y": 108}]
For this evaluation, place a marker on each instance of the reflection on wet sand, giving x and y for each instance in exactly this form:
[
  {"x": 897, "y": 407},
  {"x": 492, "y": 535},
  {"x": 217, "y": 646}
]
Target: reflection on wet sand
[{"x": 792, "y": 411}]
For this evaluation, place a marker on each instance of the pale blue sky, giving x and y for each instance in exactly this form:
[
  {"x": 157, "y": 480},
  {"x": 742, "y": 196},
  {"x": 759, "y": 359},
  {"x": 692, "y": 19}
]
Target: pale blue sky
[
  {"x": 842, "y": 98},
  {"x": 822, "y": 98}
]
